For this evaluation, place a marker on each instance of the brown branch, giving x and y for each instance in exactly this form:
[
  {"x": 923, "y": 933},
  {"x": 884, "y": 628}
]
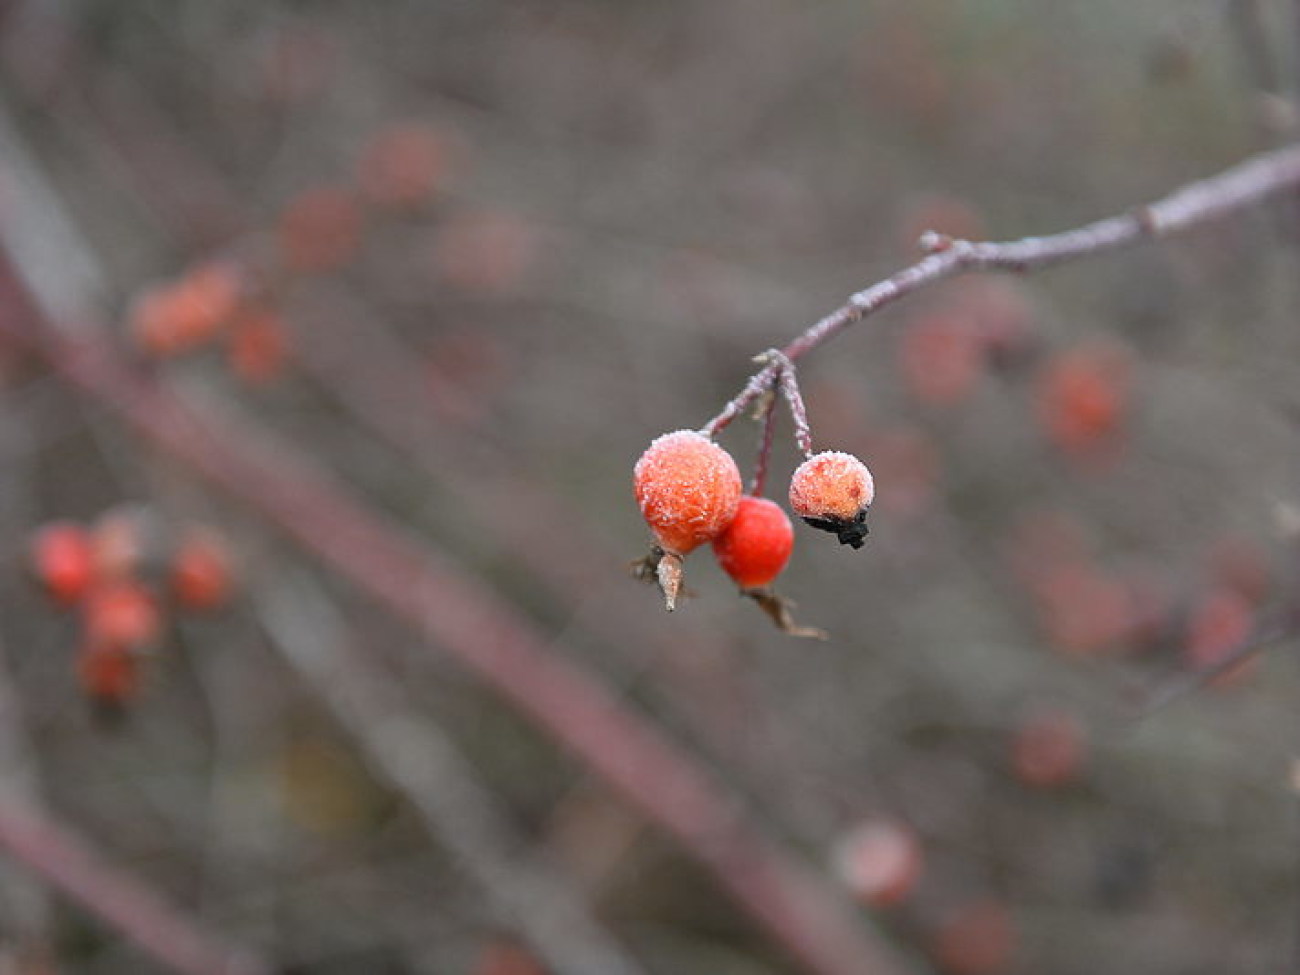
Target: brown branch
[
  {"x": 1233, "y": 189},
  {"x": 70, "y": 865},
  {"x": 795, "y": 907}
]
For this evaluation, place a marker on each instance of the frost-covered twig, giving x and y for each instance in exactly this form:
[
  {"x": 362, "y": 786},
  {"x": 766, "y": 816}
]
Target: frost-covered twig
[{"x": 1233, "y": 189}]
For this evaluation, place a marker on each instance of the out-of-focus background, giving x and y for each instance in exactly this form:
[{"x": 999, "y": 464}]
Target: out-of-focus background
[{"x": 468, "y": 259}]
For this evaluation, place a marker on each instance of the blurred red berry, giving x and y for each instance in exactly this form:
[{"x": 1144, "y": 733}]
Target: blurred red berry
[
  {"x": 320, "y": 229},
  {"x": 122, "y": 613},
  {"x": 504, "y": 958},
  {"x": 404, "y": 165},
  {"x": 201, "y": 577},
  {"x": 688, "y": 489},
  {"x": 881, "y": 862},
  {"x": 941, "y": 359},
  {"x": 756, "y": 546},
  {"x": 977, "y": 939},
  {"x": 1220, "y": 624},
  {"x": 832, "y": 491},
  {"x": 63, "y": 561},
  {"x": 1083, "y": 610},
  {"x": 258, "y": 347},
  {"x": 1049, "y": 749},
  {"x": 486, "y": 252},
  {"x": 1083, "y": 397},
  {"x": 108, "y": 672}
]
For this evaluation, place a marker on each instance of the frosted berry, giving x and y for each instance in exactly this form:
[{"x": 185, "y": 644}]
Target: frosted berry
[
  {"x": 832, "y": 491},
  {"x": 688, "y": 489},
  {"x": 755, "y": 547},
  {"x": 62, "y": 561}
]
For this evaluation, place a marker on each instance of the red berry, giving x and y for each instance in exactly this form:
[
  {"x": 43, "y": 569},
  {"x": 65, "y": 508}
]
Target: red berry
[
  {"x": 1083, "y": 397},
  {"x": 200, "y": 572},
  {"x": 108, "y": 673},
  {"x": 755, "y": 547},
  {"x": 122, "y": 614},
  {"x": 63, "y": 561},
  {"x": 881, "y": 862},
  {"x": 832, "y": 491},
  {"x": 688, "y": 489}
]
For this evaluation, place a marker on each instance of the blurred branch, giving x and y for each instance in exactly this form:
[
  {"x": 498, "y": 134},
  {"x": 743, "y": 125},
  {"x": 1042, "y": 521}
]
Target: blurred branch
[
  {"x": 70, "y": 865},
  {"x": 424, "y": 764}
]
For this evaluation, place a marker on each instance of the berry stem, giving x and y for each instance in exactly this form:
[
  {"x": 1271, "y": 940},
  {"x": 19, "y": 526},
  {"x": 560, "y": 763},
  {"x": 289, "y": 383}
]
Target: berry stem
[
  {"x": 798, "y": 412},
  {"x": 764, "y": 445}
]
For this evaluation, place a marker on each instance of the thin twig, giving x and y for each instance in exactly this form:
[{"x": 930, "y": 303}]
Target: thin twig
[
  {"x": 766, "y": 437},
  {"x": 1233, "y": 189},
  {"x": 153, "y": 925}
]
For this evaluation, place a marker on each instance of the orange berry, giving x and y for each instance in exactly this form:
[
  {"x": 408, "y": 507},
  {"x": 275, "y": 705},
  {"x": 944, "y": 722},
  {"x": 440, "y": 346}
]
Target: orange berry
[
  {"x": 122, "y": 614},
  {"x": 832, "y": 491},
  {"x": 108, "y": 673},
  {"x": 755, "y": 547},
  {"x": 688, "y": 489},
  {"x": 200, "y": 572},
  {"x": 880, "y": 861},
  {"x": 63, "y": 561}
]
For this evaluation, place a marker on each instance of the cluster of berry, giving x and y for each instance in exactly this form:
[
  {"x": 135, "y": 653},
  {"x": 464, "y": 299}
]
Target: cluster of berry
[
  {"x": 119, "y": 575},
  {"x": 689, "y": 491},
  {"x": 237, "y": 298}
]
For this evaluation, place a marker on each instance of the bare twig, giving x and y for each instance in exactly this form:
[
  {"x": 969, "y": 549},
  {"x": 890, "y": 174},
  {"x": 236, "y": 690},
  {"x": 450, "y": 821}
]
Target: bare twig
[
  {"x": 65, "y": 861},
  {"x": 1233, "y": 189}
]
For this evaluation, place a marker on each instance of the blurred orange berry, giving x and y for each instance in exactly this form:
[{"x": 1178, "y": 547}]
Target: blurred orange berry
[
  {"x": 487, "y": 252},
  {"x": 977, "y": 939},
  {"x": 688, "y": 489},
  {"x": 404, "y": 165},
  {"x": 881, "y": 862},
  {"x": 122, "y": 614},
  {"x": 756, "y": 545},
  {"x": 505, "y": 958},
  {"x": 258, "y": 346},
  {"x": 1083, "y": 397},
  {"x": 1220, "y": 624},
  {"x": 201, "y": 577},
  {"x": 941, "y": 359},
  {"x": 1083, "y": 610},
  {"x": 320, "y": 229},
  {"x": 62, "y": 560},
  {"x": 169, "y": 319},
  {"x": 1049, "y": 748}
]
